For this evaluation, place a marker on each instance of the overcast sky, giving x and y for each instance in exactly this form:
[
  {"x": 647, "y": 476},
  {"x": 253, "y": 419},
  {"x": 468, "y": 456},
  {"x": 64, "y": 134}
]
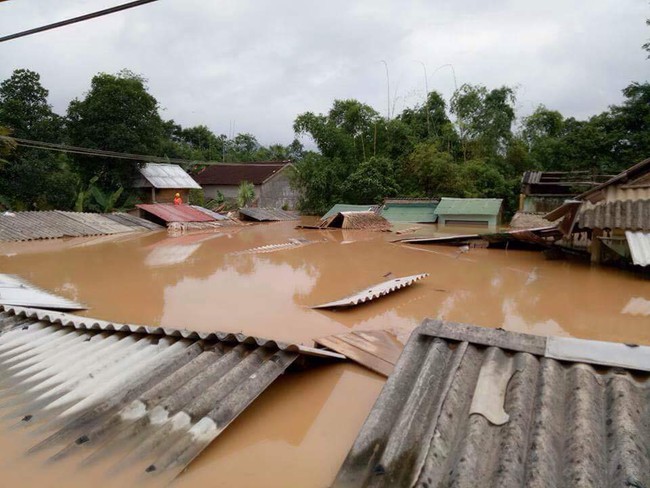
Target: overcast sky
[{"x": 260, "y": 63}]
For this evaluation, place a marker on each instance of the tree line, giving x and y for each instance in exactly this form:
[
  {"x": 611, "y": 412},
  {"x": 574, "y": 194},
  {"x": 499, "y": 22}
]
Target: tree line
[{"x": 473, "y": 145}]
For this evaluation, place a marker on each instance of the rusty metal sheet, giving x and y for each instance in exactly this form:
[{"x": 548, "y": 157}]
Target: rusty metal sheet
[
  {"x": 175, "y": 213},
  {"x": 16, "y": 291},
  {"x": 377, "y": 350},
  {"x": 374, "y": 292}
]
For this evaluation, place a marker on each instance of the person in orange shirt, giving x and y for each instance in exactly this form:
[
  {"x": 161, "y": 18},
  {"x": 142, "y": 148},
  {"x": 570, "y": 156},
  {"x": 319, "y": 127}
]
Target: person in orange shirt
[{"x": 177, "y": 199}]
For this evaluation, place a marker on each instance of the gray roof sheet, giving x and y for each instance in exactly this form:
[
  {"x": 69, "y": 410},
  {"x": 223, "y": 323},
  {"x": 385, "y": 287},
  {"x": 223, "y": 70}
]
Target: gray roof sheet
[
  {"x": 161, "y": 176},
  {"x": 490, "y": 407},
  {"x": 27, "y": 226},
  {"x": 639, "y": 244},
  {"x": 17, "y": 291},
  {"x": 267, "y": 214},
  {"x": 621, "y": 214},
  {"x": 158, "y": 398}
]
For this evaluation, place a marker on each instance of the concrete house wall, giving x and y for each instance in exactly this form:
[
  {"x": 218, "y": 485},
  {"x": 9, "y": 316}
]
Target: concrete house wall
[{"x": 275, "y": 192}]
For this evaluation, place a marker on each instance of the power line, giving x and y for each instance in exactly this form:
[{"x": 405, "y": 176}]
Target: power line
[
  {"x": 49, "y": 146},
  {"x": 74, "y": 20}
]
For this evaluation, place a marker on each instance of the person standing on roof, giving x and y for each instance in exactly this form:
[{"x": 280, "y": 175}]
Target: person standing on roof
[{"x": 177, "y": 199}]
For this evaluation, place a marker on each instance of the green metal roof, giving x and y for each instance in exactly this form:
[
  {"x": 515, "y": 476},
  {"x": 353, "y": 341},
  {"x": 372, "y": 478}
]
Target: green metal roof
[
  {"x": 418, "y": 212},
  {"x": 344, "y": 207},
  {"x": 469, "y": 206}
]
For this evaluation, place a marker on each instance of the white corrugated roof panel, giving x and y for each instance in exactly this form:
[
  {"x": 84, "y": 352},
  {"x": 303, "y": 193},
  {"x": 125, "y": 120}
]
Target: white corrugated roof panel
[
  {"x": 167, "y": 176},
  {"x": 639, "y": 243},
  {"x": 16, "y": 291}
]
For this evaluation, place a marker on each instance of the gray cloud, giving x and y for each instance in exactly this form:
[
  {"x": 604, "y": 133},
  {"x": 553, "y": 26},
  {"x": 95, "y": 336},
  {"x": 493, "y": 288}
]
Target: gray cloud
[{"x": 262, "y": 63}]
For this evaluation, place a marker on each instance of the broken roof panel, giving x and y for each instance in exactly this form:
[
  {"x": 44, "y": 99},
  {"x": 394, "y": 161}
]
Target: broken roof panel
[
  {"x": 344, "y": 207},
  {"x": 232, "y": 174},
  {"x": 16, "y": 291},
  {"x": 160, "y": 176},
  {"x": 266, "y": 214},
  {"x": 160, "y": 399},
  {"x": 377, "y": 350},
  {"x": 168, "y": 212},
  {"x": 476, "y": 407},
  {"x": 416, "y": 211},
  {"x": 639, "y": 244},
  {"x": 469, "y": 206},
  {"x": 356, "y": 221},
  {"x": 374, "y": 292}
]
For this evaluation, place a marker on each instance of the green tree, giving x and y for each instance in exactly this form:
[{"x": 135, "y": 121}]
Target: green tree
[
  {"x": 245, "y": 194},
  {"x": 434, "y": 171},
  {"x": 117, "y": 114},
  {"x": 372, "y": 181},
  {"x": 31, "y": 178}
]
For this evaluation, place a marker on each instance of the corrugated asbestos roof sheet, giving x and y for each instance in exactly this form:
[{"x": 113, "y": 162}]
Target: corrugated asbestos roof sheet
[
  {"x": 16, "y": 291},
  {"x": 344, "y": 207},
  {"x": 376, "y": 291},
  {"x": 256, "y": 172},
  {"x": 639, "y": 244},
  {"x": 266, "y": 214},
  {"x": 468, "y": 406},
  {"x": 165, "y": 176},
  {"x": 469, "y": 206},
  {"x": 26, "y": 226},
  {"x": 132, "y": 221},
  {"x": 622, "y": 214},
  {"x": 175, "y": 213},
  {"x": 416, "y": 211},
  {"x": 88, "y": 387}
]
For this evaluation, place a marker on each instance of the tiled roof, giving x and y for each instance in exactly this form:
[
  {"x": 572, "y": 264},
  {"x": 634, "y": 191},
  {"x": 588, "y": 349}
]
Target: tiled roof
[{"x": 234, "y": 173}]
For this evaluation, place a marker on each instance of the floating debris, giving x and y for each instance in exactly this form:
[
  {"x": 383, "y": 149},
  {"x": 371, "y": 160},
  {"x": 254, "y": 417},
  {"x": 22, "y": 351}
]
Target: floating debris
[
  {"x": 291, "y": 244},
  {"x": 469, "y": 403},
  {"x": 19, "y": 292},
  {"x": 374, "y": 292},
  {"x": 377, "y": 350}
]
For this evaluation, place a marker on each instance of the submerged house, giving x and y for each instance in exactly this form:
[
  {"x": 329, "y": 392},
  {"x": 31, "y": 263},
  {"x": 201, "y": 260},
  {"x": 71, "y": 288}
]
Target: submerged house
[
  {"x": 270, "y": 178},
  {"x": 613, "y": 222},
  {"x": 346, "y": 207},
  {"x": 543, "y": 191},
  {"x": 470, "y": 211},
  {"x": 413, "y": 210},
  {"x": 159, "y": 183}
]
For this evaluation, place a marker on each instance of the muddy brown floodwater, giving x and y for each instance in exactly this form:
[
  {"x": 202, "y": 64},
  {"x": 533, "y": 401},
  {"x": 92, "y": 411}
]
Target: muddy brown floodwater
[{"x": 299, "y": 431}]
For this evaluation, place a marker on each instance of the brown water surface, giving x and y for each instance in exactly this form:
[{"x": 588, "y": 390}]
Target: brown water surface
[{"x": 298, "y": 432}]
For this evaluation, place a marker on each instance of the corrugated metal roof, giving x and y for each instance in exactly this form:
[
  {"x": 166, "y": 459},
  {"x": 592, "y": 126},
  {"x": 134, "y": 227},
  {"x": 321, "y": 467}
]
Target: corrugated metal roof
[
  {"x": 374, "y": 292},
  {"x": 169, "y": 212},
  {"x": 469, "y": 206},
  {"x": 26, "y": 226},
  {"x": 487, "y": 408},
  {"x": 417, "y": 211},
  {"x": 16, "y": 291},
  {"x": 266, "y": 214},
  {"x": 214, "y": 215},
  {"x": 531, "y": 177},
  {"x": 255, "y": 172},
  {"x": 626, "y": 214},
  {"x": 158, "y": 399},
  {"x": 132, "y": 221},
  {"x": 161, "y": 175},
  {"x": 639, "y": 243},
  {"x": 344, "y": 207}
]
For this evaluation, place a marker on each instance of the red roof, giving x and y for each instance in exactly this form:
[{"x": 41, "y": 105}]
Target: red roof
[
  {"x": 256, "y": 172},
  {"x": 175, "y": 213}
]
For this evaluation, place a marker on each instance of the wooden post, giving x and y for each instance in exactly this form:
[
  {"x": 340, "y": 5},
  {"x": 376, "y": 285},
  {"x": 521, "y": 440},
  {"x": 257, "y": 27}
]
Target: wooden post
[{"x": 596, "y": 246}]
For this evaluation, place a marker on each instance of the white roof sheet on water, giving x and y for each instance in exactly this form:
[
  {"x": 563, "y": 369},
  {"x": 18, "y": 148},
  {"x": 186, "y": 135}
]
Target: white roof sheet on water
[
  {"x": 639, "y": 243},
  {"x": 160, "y": 175},
  {"x": 18, "y": 292}
]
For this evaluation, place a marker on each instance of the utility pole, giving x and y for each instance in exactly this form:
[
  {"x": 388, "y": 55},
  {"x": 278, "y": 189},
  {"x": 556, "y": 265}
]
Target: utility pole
[{"x": 387, "y": 88}]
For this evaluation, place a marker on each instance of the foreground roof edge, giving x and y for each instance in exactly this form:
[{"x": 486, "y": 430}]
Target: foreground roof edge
[{"x": 631, "y": 172}]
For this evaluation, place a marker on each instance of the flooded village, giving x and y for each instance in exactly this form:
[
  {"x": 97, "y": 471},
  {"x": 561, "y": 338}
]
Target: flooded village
[{"x": 453, "y": 290}]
